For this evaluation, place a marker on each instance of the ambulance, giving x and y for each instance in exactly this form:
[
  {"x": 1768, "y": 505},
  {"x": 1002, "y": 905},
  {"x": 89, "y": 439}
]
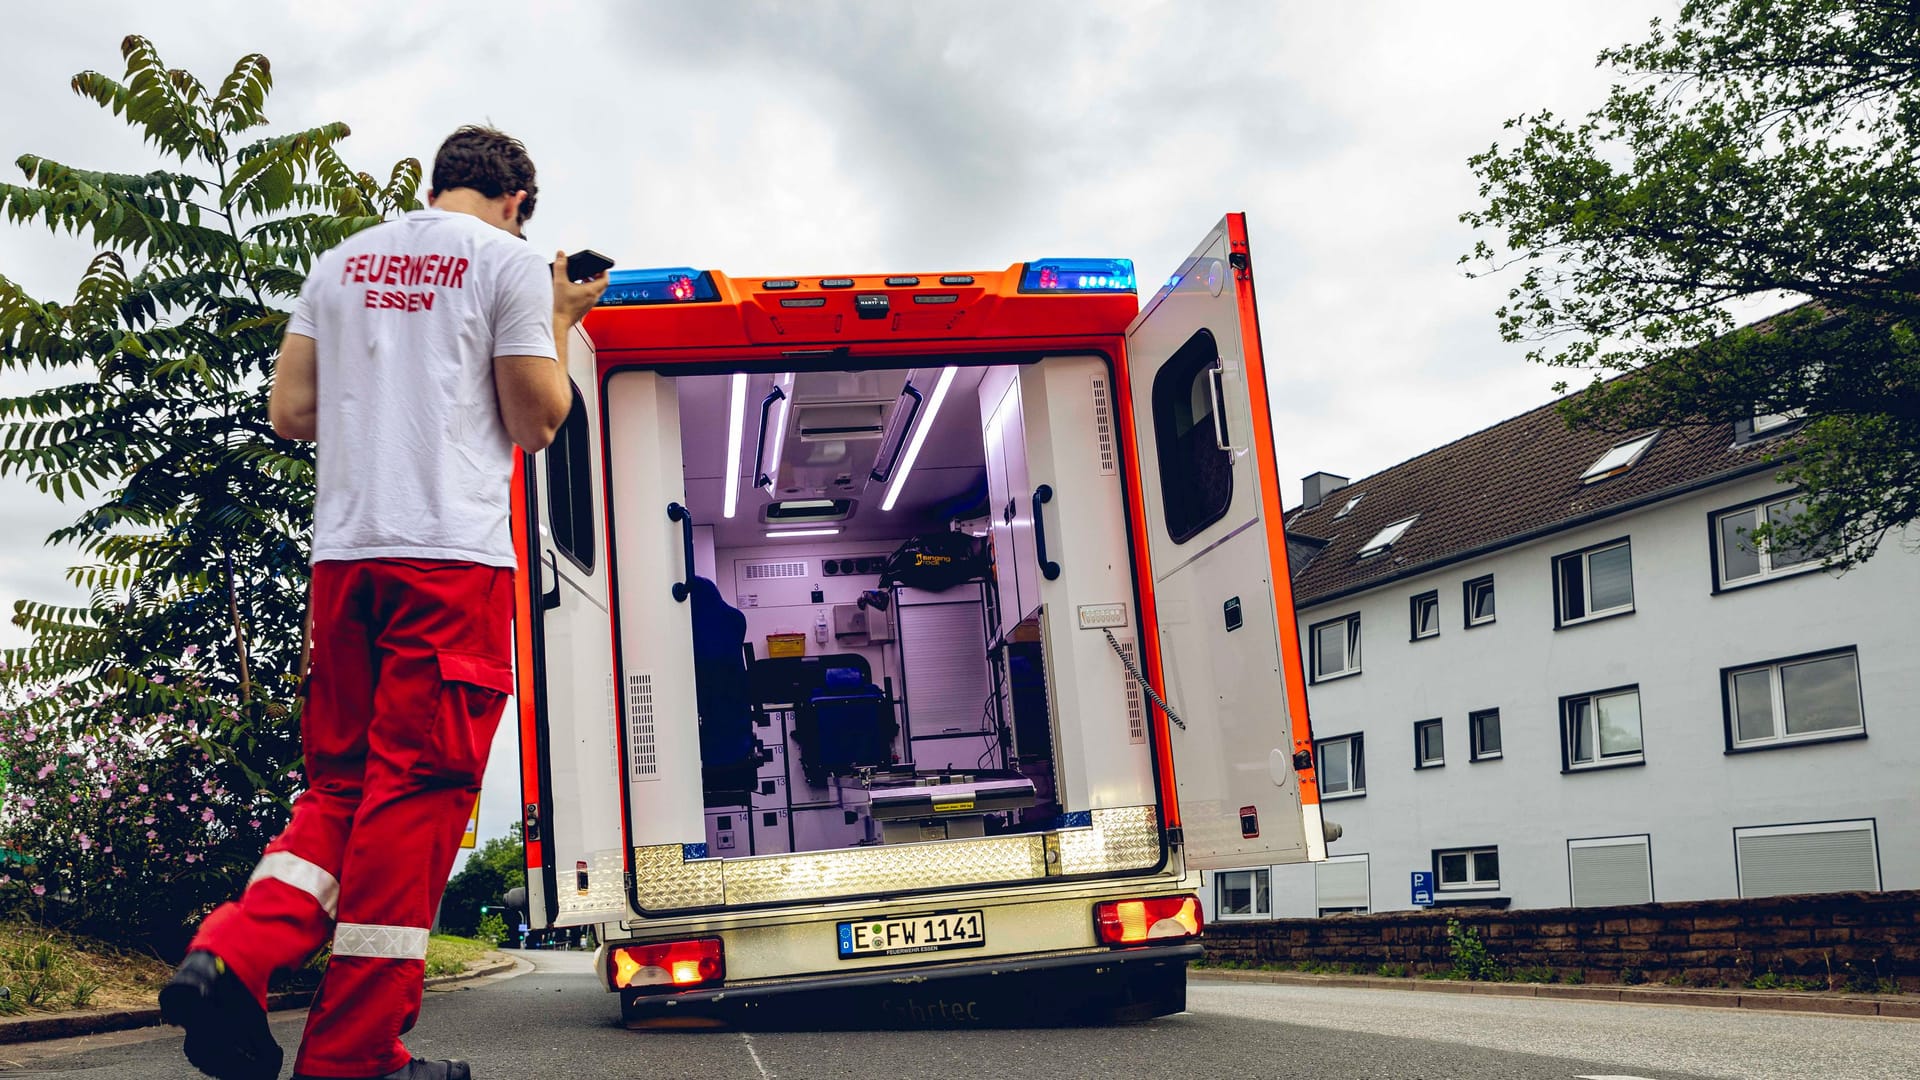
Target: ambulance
[{"x": 897, "y": 649}]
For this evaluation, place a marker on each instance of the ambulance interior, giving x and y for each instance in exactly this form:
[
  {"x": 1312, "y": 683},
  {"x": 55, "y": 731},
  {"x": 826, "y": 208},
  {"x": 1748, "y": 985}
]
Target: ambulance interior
[{"x": 870, "y": 649}]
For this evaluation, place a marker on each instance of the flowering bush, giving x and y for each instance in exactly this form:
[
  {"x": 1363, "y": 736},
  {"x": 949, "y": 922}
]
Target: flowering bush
[{"x": 127, "y": 828}]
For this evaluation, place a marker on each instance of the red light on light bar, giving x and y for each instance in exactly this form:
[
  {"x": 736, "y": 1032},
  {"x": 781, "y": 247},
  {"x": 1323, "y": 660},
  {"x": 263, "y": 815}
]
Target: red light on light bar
[
  {"x": 674, "y": 965},
  {"x": 681, "y": 288},
  {"x": 1136, "y": 922}
]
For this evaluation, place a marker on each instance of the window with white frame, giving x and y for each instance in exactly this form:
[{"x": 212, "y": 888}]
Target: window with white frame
[
  {"x": 1242, "y": 894},
  {"x": 1601, "y": 729},
  {"x": 1825, "y": 856},
  {"x": 1429, "y": 745},
  {"x": 1340, "y": 885},
  {"x": 1622, "y": 457},
  {"x": 1467, "y": 868},
  {"x": 1765, "y": 423},
  {"x": 1610, "y": 871},
  {"x": 1423, "y": 613},
  {"x": 1386, "y": 537},
  {"x": 1336, "y": 648},
  {"x": 1594, "y": 583},
  {"x": 1742, "y": 559},
  {"x": 1803, "y": 699},
  {"x": 1483, "y": 734},
  {"x": 1341, "y": 765},
  {"x": 1478, "y": 596}
]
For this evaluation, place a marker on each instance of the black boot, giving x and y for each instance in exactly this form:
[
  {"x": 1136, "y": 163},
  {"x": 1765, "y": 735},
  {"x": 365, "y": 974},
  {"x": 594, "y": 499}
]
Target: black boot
[
  {"x": 421, "y": 1069},
  {"x": 227, "y": 1035}
]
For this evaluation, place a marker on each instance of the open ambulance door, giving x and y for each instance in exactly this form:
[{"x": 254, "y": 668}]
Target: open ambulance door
[
  {"x": 570, "y": 773},
  {"x": 1229, "y": 645}
]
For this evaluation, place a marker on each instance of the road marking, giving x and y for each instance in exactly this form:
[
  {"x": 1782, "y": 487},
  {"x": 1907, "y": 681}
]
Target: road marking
[{"x": 755, "y": 1055}]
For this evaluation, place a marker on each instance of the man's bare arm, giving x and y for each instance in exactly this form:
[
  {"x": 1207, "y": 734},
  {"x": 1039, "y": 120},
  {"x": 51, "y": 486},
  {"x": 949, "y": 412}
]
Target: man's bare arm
[
  {"x": 535, "y": 394},
  {"x": 293, "y": 405}
]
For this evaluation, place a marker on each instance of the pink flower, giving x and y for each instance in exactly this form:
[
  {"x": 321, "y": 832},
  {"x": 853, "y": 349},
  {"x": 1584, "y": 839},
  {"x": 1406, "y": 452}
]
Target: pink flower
[
  {"x": 27, "y": 801},
  {"x": 193, "y": 858},
  {"x": 190, "y": 652},
  {"x": 148, "y": 820},
  {"x": 143, "y": 789},
  {"x": 108, "y": 850},
  {"x": 151, "y": 835},
  {"x": 39, "y": 890},
  {"x": 206, "y": 815},
  {"x": 86, "y": 842},
  {"x": 106, "y": 793},
  {"x": 29, "y": 736},
  {"x": 73, "y": 798}
]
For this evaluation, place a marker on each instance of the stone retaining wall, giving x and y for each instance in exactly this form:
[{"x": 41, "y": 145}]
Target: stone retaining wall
[{"x": 1838, "y": 940}]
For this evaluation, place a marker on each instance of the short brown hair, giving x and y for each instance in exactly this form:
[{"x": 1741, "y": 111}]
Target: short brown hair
[{"x": 489, "y": 161}]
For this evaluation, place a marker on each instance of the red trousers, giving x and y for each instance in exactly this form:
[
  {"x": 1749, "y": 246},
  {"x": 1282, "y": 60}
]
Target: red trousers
[{"x": 409, "y": 677}]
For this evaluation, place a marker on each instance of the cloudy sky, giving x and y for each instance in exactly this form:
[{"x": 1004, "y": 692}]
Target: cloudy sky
[{"x": 805, "y": 138}]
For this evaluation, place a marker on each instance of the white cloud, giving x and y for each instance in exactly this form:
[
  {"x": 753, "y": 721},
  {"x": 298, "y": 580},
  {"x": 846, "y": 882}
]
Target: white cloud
[{"x": 782, "y": 138}]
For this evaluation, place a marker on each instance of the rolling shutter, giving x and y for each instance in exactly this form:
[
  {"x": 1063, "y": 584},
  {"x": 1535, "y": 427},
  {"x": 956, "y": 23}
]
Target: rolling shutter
[
  {"x": 1783, "y": 860},
  {"x": 943, "y": 655},
  {"x": 1610, "y": 872},
  {"x": 1341, "y": 882}
]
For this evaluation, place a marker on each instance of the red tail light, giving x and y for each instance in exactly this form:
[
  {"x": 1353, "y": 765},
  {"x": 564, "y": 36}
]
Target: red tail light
[
  {"x": 1136, "y": 922},
  {"x": 672, "y": 965}
]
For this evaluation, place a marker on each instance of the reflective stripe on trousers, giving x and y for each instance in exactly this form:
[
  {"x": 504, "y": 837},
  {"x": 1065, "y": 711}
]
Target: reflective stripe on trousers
[
  {"x": 380, "y": 942},
  {"x": 290, "y": 869}
]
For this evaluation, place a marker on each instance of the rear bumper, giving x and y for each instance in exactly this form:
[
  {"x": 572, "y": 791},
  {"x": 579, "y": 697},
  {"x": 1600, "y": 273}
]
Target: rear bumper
[{"x": 1034, "y": 991}]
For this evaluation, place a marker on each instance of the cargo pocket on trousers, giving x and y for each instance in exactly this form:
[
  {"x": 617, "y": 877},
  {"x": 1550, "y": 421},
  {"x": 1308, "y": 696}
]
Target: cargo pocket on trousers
[{"x": 473, "y": 694}]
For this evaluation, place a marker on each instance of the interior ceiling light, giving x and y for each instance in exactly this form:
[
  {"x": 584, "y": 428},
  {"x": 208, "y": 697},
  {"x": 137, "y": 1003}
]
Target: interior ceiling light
[
  {"x": 782, "y": 534},
  {"x": 919, "y": 438},
  {"x": 736, "y": 428}
]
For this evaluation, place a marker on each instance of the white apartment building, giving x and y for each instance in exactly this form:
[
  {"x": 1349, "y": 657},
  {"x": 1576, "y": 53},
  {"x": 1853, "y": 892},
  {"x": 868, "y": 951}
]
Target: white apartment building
[{"x": 1548, "y": 668}]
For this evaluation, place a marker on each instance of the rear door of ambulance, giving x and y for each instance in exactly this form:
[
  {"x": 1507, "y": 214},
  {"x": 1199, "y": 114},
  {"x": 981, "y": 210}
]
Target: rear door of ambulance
[
  {"x": 570, "y": 778},
  {"x": 1228, "y": 643}
]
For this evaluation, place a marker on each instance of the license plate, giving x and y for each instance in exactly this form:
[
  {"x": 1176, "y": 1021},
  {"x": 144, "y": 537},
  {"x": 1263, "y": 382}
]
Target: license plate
[{"x": 913, "y": 934}]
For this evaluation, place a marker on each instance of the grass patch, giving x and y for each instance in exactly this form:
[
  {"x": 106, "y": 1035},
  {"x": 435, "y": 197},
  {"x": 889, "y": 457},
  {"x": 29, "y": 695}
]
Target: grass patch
[
  {"x": 449, "y": 955},
  {"x": 48, "y": 971}
]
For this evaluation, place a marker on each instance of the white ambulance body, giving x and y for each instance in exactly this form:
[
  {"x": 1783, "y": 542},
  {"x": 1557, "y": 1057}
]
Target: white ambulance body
[{"x": 898, "y": 649}]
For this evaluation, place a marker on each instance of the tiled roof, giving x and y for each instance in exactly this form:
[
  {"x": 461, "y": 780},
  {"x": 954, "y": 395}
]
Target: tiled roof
[{"x": 1498, "y": 486}]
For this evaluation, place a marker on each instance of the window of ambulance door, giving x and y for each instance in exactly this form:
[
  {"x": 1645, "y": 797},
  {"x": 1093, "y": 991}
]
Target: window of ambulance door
[
  {"x": 1196, "y": 476},
  {"x": 570, "y": 488}
]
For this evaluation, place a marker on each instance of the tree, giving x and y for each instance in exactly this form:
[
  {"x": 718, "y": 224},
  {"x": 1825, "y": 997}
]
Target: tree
[
  {"x": 1757, "y": 149},
  {"x": 499, "y": 865},
  {"x": 192, "y": 515}
]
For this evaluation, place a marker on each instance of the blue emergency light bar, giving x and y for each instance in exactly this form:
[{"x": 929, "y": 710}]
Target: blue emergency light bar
[
  {"x": 661, "y": 285},
  {"x": 1078, "y": 275}
]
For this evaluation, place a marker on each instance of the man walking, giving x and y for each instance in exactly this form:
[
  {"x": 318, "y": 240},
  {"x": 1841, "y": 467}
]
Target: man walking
[{"x": 419, "y": 353}]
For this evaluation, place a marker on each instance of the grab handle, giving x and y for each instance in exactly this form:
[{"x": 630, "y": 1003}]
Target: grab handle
[
  {"x": 676, "y": 512},
  {"x": 900, "y": 444},
  {"x": 1041, "y": 496},
  {"x": 1218, "y": 393},
  {"x": 760, "y": 477},
  {"x": 550, "y": 588}
]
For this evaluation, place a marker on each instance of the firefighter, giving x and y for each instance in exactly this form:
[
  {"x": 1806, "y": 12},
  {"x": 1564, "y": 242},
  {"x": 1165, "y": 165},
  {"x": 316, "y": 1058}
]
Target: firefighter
[{"x": 419, "y": 353}]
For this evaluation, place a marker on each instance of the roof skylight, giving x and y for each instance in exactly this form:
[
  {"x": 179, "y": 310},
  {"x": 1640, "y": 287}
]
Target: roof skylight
[
  {"x": 1619, "y": 459},
  {"x": 1351, "y": 503},
  {"x": 1384, "y": 539}
]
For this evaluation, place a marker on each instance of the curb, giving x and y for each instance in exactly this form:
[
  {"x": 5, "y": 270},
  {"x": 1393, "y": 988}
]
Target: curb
[
  {"x": 1775, "y": 1001},
  {"x": 70, "y": 1025}
]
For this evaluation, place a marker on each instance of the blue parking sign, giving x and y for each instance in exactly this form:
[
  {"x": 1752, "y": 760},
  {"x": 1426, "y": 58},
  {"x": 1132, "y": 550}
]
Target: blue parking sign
[{"x": 1423, "y": 888}]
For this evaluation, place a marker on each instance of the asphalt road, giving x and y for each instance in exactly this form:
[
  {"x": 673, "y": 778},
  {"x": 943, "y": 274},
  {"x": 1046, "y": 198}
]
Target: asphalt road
[{"x": 554, "y": 1023}]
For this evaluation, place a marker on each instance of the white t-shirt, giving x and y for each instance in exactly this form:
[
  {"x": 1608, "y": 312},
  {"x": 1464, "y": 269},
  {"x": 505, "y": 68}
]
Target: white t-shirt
[{"x": 413, "y": 459}]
